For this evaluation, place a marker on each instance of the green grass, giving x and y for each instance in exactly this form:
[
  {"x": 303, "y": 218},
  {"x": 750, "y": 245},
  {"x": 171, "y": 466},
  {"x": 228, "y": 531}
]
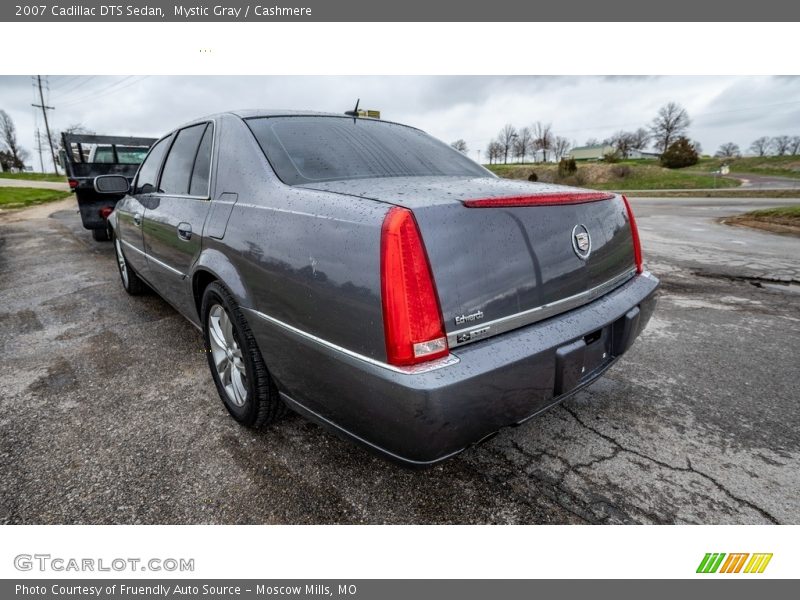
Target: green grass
[
  {"x": 784, "y": 213},
  {"x": 20, "y": 197},
  {"x": 627, "y": 175},
  {"x": 778, "y": 166},
  {"x": 34, "y": 176},
  {"x": 783, "y": 219},
  {"x": 657, "y": 178},
  {"x": 506, "y": 170}
]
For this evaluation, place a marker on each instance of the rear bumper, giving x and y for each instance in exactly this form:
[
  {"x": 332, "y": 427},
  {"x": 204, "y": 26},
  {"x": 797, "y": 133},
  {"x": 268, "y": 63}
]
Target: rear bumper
[{"x": 422, "y": 418}]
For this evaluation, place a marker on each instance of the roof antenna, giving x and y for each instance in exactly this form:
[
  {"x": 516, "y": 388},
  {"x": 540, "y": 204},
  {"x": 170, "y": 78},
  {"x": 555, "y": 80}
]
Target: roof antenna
[{"x": 353, "y": 113}]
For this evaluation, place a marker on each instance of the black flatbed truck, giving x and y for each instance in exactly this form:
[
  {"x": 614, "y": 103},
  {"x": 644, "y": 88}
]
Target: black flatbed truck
[{"x": 85, "y": 157}]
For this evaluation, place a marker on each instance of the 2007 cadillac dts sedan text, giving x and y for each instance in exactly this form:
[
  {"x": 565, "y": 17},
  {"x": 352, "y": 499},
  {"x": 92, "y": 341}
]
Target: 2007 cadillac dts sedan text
[{"x": 377, "y": 281}]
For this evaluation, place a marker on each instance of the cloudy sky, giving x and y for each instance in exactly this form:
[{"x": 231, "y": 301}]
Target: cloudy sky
[{"x": 730, "y": 108}]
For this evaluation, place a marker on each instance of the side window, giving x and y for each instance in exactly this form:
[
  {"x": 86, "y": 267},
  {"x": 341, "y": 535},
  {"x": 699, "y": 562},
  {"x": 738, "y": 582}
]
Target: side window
[
  {"x": 202, "y": 165},
  {"x": 178, "y": 167},
  {"x": 148, "y": 172}
]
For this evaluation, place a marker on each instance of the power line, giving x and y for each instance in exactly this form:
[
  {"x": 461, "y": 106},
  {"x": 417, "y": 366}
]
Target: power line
[
  {"x": 65, "y": 80},
  {"x": 98, "y": 93},
  {"x": 70, "y": 89}
]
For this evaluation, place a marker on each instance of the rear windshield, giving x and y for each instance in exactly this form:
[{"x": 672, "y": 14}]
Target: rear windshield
[{"x": 309, "y": 149}]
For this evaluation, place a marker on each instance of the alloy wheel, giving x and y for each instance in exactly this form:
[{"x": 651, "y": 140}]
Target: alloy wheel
[
  {"x": 227, "y": 355},
  {"x": 123, "y": 267}
]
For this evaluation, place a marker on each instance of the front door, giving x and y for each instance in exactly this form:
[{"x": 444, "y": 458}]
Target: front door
[{"x": 130, "y": 213}]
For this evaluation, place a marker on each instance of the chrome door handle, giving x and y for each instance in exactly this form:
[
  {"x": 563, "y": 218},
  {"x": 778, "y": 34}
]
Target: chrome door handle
[
  {"x": 185, "y": 231},
  {"x": 137, "y": 218}
]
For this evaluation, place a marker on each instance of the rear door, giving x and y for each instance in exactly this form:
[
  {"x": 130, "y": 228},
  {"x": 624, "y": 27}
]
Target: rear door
[
  {"x": 173, "y": 222},
  {"x": 130, "y": 213}
]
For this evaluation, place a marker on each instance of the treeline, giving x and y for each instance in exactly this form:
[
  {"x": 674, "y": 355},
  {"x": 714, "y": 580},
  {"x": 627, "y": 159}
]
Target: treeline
[
  {"x": 670, "y": 124},
  {"x": 780, "y": 145},
  {"x": 527, "y": 141}
]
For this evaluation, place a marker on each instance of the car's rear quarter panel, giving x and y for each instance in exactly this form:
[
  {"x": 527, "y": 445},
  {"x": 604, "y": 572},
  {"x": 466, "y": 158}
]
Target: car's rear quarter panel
[
  {"x": 307, "y": 258},
  {"x": 313, "y": 262}
]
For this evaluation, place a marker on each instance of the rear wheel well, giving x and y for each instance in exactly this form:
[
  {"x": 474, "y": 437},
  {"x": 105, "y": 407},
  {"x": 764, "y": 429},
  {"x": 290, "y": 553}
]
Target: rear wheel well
[{"x": 199, "y": 285}]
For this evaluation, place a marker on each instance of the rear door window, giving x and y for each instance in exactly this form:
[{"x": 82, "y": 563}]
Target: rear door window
[
  {"x": 148, "y": 172},
  {"x": 202, "y": 165},
  {"x": 180, "y": 160}
]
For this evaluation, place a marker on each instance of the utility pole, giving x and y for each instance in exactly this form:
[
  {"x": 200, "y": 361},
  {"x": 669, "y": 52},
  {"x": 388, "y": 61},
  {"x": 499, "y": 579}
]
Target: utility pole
[
  {"x": 45, "y": 108},
  {"x": 39, "y": 149}
]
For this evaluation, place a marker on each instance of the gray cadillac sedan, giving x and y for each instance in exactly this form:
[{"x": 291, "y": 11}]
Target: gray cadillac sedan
[{"x": 373, "y": 279}]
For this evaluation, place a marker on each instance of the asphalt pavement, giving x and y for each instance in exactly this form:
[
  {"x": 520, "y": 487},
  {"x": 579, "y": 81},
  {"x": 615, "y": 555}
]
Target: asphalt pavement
[
  {"x": 752, "y": 180},
  {"x": 108, "y": 413}
]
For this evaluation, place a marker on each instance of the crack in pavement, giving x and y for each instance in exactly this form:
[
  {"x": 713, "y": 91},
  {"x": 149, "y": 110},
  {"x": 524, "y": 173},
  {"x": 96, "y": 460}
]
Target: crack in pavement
[
  {"x": 540, "y": 482},
  {"x": 688, "y": 469},
  {"x": 575, "y": 504},
  {"x": 589, "y": 514}
]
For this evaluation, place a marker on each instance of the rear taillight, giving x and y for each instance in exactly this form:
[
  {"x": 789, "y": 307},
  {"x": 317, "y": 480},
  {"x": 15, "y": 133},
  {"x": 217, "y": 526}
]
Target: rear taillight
[
  {"x": 539, "y": 199},
  {"x": 412, "y": 318},
  {"x": 73, "y": 183},
  {"x": 637, "y": 244},
  {"x": 106, "y": 211}
]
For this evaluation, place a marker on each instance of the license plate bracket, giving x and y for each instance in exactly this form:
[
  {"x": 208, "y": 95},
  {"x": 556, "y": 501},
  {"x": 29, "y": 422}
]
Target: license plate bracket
[{"x": 579, "y": 360}]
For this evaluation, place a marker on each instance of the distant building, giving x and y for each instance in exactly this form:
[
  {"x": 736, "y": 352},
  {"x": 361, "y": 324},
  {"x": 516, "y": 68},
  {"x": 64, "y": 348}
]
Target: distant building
[
  {"x": 599, "y": 151},
  {"x": 644, "y": 154},
  {"x": 591, "y": 152}
]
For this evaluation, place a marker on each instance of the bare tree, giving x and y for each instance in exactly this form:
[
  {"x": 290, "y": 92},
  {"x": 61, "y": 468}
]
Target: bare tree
[
  {"x": 782, "y": 144},
  {"x": 640, "y": 139},
  {"x": 592, "y": 142},
  {"x": 76, "y": 128},
  {"x": 506, "y": 139},
  {"x": 523, "y": 143},
  {"x": 670, "y": 123},
  {"x": 761, "y": 146},
  {"x": 8, "y": 138},
  {"x": 795, "y": 149},
  {"x": 494, "y": 151},
  {"x": 623, "y": 143},
  {"x": 543, "y": 138},
  {"x": 698, "y": 147},
  {"x": 728, "y": 150},
  {"x": 460, "y": 145},
  {"x": 561, "y": 146}
]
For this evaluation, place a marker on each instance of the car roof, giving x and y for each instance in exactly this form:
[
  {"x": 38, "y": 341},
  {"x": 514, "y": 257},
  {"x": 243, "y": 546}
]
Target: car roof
[
  {"x": 250, "y": 113},
  {"x": 266, "y": 112}
]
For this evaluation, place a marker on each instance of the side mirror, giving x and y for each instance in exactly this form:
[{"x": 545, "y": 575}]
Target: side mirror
[{"x": 111, "y": 184}]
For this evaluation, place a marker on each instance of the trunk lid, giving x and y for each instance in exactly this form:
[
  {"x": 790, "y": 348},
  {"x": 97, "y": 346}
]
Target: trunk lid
[{"x": 497, "y": 268}]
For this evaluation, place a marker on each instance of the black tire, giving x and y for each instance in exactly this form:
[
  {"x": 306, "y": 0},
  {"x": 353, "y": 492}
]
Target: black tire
[
  {"x": 100, "y": 235},
  {"x": 131, "y": 282},
  {"x": 262, "y": 404}
]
